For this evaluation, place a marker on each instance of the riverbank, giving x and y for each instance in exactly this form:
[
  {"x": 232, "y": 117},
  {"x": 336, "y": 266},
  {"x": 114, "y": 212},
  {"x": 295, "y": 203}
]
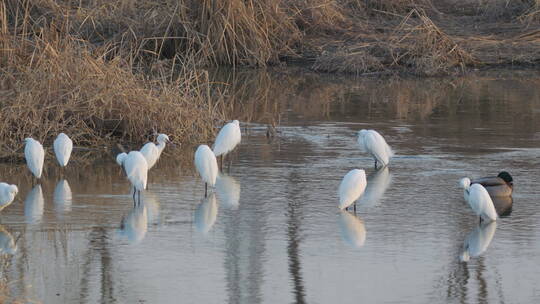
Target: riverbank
[{"x": 118, "y": 71}]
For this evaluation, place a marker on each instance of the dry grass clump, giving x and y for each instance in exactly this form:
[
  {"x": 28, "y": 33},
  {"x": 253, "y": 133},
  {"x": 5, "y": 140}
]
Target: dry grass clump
[
  {"x": 387, "y": 6},
  {"x": 427, "y": 49},
  {"x": 316, "y": 16},
  {"x": 52, "y": 84},
  {"x": 356, "y": 61}
]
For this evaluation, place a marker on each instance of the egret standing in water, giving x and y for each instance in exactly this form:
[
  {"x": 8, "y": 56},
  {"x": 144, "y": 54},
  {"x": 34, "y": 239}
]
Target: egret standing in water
[
  {"x": 227, "y": 139},
  {"x": 7, "y": 194},
  {"x": 35, "y": 156},
  {"x": 373, "y": 143},
  {"x": 206, "y": 164},
  {"x": 479, "y": 200},
  {"x": 136, "y": 169},
  {"x": 152, "y": 152},
  {"x": 62, "y": 149},
  {"x": 351, "y": 188}
]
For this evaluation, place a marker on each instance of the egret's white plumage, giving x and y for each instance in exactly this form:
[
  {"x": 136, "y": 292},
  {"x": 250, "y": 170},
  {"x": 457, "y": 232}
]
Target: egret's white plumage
[
  {"x": 206, "y": 214},
  {"x": 7, "y": 194},
  {"x": 373, "y": 143},
  {"x": 351, "y": 188},
  {"x": 120, "y": 159},
  {"x": 35, "y": 156},
  {"x": 480, "y": 201},
  {"x": 7, "y": 243},
  {"x": 62, "y": 149},
  {"x": 206, "y": 164},
  {"x": 136, "y": 169},
  {"x": 62, "y": 196},
  {"x": 228, "y": 191},
  {"x": 33, "y": 205},
  {"x": 152, "y": 152},
  {"x": 478, "y": 240},
  {"x": 228, "y": 137},
  {"x": 465, "y": 183},
  {"x": 353, "y": 230},
  {"x": 135, "y": 225}
]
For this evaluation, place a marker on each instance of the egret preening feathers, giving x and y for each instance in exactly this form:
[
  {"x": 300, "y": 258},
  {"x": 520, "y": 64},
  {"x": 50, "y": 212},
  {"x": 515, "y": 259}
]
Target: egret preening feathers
[
  {"x": 152, "y": 152},
  {"x": 7, "y": 194},
  {"x": 228, "y": 137},
  {"x": 136, "y": 169},
  {"x": 35, "y": 156},
  {"x": 62, "y": 149},
  {"x": 206, "y": 164},
  {"x": 479, "y": 200},
  {"x": 373, "y": 143},
  {"x": 351, "y": 188}
]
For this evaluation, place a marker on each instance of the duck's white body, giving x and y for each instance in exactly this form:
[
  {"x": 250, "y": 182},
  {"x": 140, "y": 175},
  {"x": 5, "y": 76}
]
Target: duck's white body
[
  {"x": 373, "y": 143},
  {"x": 62, "y": 149},
  {"x": 351, "y": 188},
  {"x": 206, "y": 164},
  {"x": 35, "y": 156},
  {"x": 228, "y": 138}
]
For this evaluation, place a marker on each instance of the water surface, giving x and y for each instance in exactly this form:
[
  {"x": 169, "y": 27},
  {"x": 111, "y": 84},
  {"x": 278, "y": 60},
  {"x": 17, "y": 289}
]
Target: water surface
[{"x": 271, "y": 233}]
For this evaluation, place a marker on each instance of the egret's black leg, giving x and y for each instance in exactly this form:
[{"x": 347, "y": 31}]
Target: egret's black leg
[
  {"x": 205, "y": 189},
  {"x": 139, "y": 203},
  {"x": 134, "y": 192},
  {"x": 221, "y": 164},
  {"x": 375, "y": 164},
  {"x": 354, "y": 208},
  {"x": 480, "y": 222}
]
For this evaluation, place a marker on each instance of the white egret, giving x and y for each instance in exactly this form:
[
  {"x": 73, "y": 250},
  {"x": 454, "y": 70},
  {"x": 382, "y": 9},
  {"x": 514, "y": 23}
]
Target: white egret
[
  {"x": 206, "y": 164},
  {"x": 35, "y": 156},
  {"x": 7, "y": 244},
  {"x": 228, "y": 191},
  {"x": 351, "y": 188},
  {"x": 478, "y": 241},
  {"x": 62, "y": 196},
  {"x": 228, "y": 137},
  {"x": 152, "y": 152},
  {"x": 33, "y": 205},
  {"x": 135, "y": 225},
  {"x": 136, "y": 169},
  {"x": 62, "y": 149},
  {"x": 479, "y": 200},
  {"x": 7, "y": 194},
  {"x": 206, "y": 214},
  {"x": 373, "y": 143},
  {"x": 353, "y": 230}
]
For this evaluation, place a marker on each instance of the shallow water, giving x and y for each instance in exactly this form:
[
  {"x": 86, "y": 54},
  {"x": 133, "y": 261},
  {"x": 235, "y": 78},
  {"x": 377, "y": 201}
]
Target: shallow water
[{"x": 272, "y": 232}]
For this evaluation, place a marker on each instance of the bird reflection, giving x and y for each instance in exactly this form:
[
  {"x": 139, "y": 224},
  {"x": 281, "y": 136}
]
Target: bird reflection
[
  {"x": 150, "y": 200},
  {"x": 206, "y": 213},
  {"x": 62, "y": 196},
  {"x": 7, "y": 243},
  {"x": 228, "y": 190},
  {"x": 478, "y": 240},
  {"x": 377, "y": 183},
  {"x": 135, "y": 224},
  {"x": 353, "y": 230},
  {"x": 33, "y": 205}
]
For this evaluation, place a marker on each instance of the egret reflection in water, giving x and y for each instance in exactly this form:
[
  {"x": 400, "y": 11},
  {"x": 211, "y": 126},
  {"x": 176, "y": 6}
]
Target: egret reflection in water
[
  {"x": 151, "y": 201},
  {"x": 228, "y": 191},
  {"x": 377, "y": 184},
  {"x": 353, "y": 230},
  {"x": 33, "y": 205},
  {"x": 478, "y": 240},
  {"x": 7, "y": 243},
  {"x": 134, "y": 226},
  {"x": 206, "y": 213},
  {"x": 62, "y": 196}
]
